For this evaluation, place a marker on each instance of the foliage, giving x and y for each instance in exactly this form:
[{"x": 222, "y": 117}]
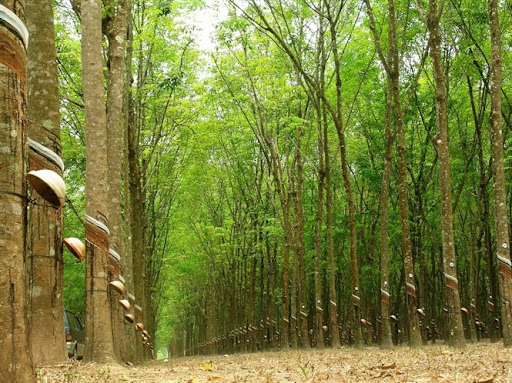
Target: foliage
[{"x": 217, "y": 136}]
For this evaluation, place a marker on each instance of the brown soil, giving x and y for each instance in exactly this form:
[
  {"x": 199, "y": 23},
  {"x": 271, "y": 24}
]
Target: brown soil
[{"x": 483, "y": 362}]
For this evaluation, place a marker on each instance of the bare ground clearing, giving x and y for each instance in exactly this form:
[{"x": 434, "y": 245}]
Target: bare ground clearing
[{"x": 482, "y": 362}]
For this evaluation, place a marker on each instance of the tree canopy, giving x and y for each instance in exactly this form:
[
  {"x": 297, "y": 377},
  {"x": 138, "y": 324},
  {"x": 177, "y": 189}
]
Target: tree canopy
[{"x": 322, "y": 173}]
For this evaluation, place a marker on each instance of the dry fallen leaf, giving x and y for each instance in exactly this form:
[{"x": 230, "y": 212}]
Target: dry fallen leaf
[{"x": 478, "y": 364}]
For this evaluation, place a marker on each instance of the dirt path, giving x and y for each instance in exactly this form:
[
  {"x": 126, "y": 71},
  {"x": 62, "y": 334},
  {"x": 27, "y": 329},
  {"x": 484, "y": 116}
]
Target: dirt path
[{"x": 478, "y": 363}]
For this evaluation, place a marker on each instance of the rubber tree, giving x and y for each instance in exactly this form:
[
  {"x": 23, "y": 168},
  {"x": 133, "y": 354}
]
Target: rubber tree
[
  {"x": 117, "y": 25},
  {"x": 432, "y": 17},
  {"x": 45, "y": 264},
  {"x": 500, "y": 194},
  {"x": 15, "y": 357},
  {"x": 391, "y": 65},
  {"x": 98, "y": 326}
]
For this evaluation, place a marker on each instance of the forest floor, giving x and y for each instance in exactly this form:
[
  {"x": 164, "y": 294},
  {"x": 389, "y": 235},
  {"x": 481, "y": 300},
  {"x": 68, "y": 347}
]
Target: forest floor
[{"x": 482, "y": 362}]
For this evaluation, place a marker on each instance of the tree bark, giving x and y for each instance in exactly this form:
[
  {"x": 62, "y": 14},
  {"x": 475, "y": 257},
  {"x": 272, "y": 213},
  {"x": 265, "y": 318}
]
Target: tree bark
[
  {"x": 127, "y": 260},
  {"x": 293, "y": 294},
  {"x": 116, "y": 34},
  {"x": 45, "y": 223},
  {"x": 473, "y": 283},
  {"x": 299, "y": 239},
  {"x": 386, "y": 341},
  {"x": 403, "y": 190},
  {"x": 285, "y": 339},
  {"x": 136, "y": 226},
  {"x": 15, "y": 357},
  {"x": 320, "y": 339},
  {"x": 333, "y": 297},
  {"x": 392, "y": 68},
  {"x": 500, "y": 196},
  {"x": 98, "y": 326},
  {"x": 483, "y": 242},
  {"x": 333, "y": 18},
  {"x": 455, "y": 327}
]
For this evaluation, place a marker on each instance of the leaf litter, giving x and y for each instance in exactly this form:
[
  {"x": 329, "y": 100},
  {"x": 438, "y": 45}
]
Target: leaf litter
[{"x": 478, "y": 363}]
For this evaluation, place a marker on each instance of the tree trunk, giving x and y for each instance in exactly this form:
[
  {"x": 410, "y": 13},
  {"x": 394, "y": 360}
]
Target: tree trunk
[
  {"x": 116, "y": 33},
  {"x": 326, "y": 165},
  {"x": 320, "y": 341},
  {"x": 392, "y": 67},
  {"x": 293, "y": 299},
  {"x": 136, "y": 221},
  {"x": 136, "y": 227},
  {"x": 333, "y": 298},
  {"x": 98, "y": 326},
  {"x": 299, "y": 240},
  {"x": 127, "y": 260},
  {"x": 497, "y": 139},
  {"x": 484, "y": 243},
  {"x": 273, "y": 160},
  {"x": 354, "y": 268},
  {"x": 148, "y": 312},
  {"x": 455, "y": 328},
  {"x": 473, "y": 282},
  {"x": 252, "y": 296},
  {"x": 15, "y": 357},
  {"x": 285, "y": 339},
  {"x": 403, "y": 194},
  {"x": 347, "y": 183},
  {"x": 45, "y": 240},
  {"x": 385, "y": 334}
]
